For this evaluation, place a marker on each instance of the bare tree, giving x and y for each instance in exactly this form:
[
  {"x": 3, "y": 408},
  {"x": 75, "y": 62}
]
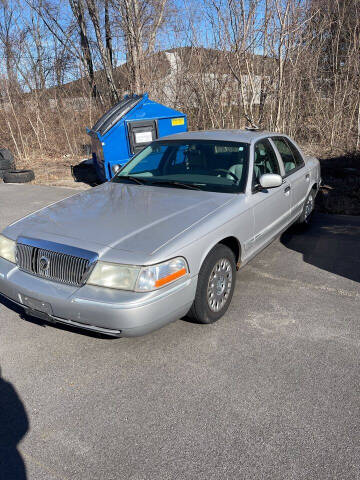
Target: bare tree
[
  {"x": 7, "y": 39},
  {"x": 139, "y": 22},
  {"x": 108, "y": 35},
  {"x": 105, "y": 53},
  {"x": 77, "y": 7}
]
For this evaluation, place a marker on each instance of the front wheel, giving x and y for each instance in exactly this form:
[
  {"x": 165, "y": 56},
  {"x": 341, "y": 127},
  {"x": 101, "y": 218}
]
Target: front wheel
[{"x": 215, "y": 286}]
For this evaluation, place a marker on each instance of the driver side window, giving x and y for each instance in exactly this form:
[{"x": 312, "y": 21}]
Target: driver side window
[
  {"x": 265, "y": 161},
  {"x": 187, "y": 159}
]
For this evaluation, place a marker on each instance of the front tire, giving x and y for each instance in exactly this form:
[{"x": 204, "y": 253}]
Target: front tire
[{"x": 215, "y": 287}]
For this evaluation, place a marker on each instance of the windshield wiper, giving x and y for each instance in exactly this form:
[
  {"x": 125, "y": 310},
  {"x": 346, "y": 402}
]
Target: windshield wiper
[
  {"x": 174, "y": 183},
  {"x": 129, "y": 177}
]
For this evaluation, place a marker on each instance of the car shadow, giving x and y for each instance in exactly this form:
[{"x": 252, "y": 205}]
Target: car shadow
[
  {"x": 14, "y": 425},
  {"x": 331, "y": 243},
  {"x": 43, "y": 323},
  {"x": 340, "y": 190}
]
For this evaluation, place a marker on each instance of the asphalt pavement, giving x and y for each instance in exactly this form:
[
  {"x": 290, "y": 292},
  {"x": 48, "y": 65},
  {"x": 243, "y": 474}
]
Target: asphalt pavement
[{"x": 271, "y": 391}]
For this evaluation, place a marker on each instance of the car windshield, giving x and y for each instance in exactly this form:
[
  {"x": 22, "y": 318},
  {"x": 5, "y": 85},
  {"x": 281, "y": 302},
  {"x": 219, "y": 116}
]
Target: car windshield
[{"x": 193, "y": 164}]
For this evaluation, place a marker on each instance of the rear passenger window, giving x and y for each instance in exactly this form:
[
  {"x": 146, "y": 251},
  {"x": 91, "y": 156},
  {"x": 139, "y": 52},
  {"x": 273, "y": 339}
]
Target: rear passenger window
[
  {"x": 265, "y": 161},
  {"x": 290, "y": 155},
  {"x": 297, "y": 155}
]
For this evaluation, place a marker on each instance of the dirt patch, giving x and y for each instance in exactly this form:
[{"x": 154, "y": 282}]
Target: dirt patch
[
  {"x": 340, "y": 192},
  {"x": 57, "y": 171}
]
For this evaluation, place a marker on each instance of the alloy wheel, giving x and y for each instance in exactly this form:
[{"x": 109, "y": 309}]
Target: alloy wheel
[{"x": 219, "y": 285}]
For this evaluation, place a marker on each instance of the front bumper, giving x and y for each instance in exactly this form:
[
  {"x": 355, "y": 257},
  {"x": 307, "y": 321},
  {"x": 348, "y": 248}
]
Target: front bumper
[{"x": 113, "y": 312}]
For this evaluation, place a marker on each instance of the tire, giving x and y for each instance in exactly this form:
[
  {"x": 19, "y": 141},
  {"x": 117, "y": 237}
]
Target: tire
[
  {"x": 18, "y": 176},
  {"x": 2, "y": 172},
  {"x": 207, "y": 309},
  {"x": 308, "y": 209},
  {"x": 6, "y": 159}
]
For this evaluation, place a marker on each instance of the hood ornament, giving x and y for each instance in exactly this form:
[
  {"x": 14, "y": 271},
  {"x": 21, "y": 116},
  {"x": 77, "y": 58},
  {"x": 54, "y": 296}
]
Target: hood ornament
[{"x": 44, "y": 263}]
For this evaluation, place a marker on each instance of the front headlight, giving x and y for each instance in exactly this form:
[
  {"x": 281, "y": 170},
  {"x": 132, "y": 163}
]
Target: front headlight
[
  {"x": 136, "y": 278},
  {"x": 7, "y": 249},
  {"x": 113, "y": 275},
  {"x": 157, "y": 276}
]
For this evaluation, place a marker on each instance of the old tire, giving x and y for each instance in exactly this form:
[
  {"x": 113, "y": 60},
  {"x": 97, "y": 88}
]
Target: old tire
[
  {"x": 2, "y": 172},
  {"x": 6, "y": 159},
  {"x": 215, "y": 287},
  {"x": 308, "y": 209},
  {"x": 18, "y": 176}
]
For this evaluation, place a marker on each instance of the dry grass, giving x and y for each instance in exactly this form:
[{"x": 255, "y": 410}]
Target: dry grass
[{"x": 53, "y": 170}]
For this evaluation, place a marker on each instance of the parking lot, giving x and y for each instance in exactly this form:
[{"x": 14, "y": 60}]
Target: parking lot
[{"x": 271, "y": 391}]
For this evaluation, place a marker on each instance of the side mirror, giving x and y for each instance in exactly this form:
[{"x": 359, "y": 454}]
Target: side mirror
[{"x": 270, "y": 180}]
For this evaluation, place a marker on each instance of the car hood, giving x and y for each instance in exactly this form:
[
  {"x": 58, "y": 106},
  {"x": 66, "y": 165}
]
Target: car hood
[{"x": 127, "y": 217}]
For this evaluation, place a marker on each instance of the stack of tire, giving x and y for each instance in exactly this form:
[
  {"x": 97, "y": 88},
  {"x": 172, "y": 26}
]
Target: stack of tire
[{"x": 8, "y": 172}]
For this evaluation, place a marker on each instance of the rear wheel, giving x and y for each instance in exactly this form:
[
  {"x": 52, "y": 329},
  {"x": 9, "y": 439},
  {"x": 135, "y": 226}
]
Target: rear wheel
[
  {"x": 308, "y": 209},
  {"x": 215, "y": 286}
]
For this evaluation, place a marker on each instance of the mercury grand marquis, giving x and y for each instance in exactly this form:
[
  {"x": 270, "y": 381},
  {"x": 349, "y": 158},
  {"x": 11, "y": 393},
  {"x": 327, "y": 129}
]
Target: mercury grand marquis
[{"x": 164, "y": 238}]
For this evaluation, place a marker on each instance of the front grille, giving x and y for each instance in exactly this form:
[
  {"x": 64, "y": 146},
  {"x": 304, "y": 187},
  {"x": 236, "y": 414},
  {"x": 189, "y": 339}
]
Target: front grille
[
  {"x": 24, "y": 257},
  {"x": 52, "y": 263}
]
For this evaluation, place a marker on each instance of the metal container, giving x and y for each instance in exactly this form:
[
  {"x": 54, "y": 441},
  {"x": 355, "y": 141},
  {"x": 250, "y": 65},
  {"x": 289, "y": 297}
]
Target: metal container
[{"x": 127, "y": 128}]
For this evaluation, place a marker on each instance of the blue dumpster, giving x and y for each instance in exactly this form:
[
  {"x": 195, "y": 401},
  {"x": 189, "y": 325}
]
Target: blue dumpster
[{"x": 127, "y": 128}]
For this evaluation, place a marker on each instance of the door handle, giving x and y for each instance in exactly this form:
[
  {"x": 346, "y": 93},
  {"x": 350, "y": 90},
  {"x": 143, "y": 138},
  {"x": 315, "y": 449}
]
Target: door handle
[
  {"x": 287, "y": 189},
  {"x": 307, "y": 177}
]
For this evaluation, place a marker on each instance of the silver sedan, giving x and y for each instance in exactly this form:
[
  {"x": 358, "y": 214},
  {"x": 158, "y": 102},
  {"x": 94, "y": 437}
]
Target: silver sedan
[{"x": 164, "y": 238}]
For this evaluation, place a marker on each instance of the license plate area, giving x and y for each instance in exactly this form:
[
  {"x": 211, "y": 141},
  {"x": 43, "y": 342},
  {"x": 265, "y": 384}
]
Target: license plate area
[{"x": 32, "y": 304}]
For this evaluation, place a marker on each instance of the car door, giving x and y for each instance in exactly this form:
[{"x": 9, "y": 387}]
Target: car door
[
  {"x": 271, "y": 207},
  {"x": 295, "y": 173}
]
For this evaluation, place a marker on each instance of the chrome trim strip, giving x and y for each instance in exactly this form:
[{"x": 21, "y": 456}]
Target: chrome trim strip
[
  {"x": 271, "y": 226},
  {"x": 58, "y": 247},
  {"x": 86, "y": 326}
]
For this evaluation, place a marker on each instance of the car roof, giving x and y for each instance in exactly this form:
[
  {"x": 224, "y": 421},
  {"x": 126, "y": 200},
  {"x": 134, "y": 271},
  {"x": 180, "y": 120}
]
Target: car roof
[{"x": 244, "y": 136}]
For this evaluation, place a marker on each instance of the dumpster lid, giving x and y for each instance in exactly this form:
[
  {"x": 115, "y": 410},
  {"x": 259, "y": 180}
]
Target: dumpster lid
[{"x": 118, "y": 111}]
